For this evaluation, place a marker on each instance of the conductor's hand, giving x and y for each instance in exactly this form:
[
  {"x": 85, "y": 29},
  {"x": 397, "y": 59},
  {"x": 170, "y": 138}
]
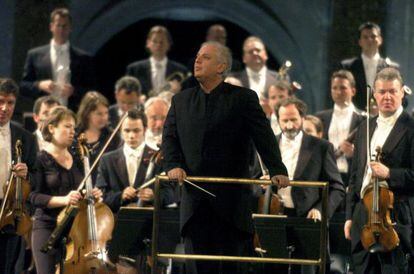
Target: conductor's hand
[
  {"x": 280, "y": 180},
  {"x": 129, "y": 193},
  {"x": 314, "y": 214},
  {"x": 177, "y": 174},
  {"x": 264, "y": 177},
  {"x": 347, "y": 229},
  {"x": 146, "y": 194},
  {"x": 73, "y": 197}
]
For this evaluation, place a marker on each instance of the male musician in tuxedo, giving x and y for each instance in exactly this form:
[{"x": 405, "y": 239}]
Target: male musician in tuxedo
[
  {"x": 341, "y": 120},
  {"x": 365, "y": 67},
  {"x": 156, "y": 110},
  {"x": 393, "y": 132},
  {"x": 277, "y": 91},
  {"x": 256, "y": 75},
  {"x": 122, "y": 171},
  {"x": 9, "y": 134},
  {"x": 207, "y": 133},
  {"x": 154, "y": 71},
  {"x": 127, "y": 96},
  {"x": 41, "y": 110},
  {"x": 58, "y": 68}
]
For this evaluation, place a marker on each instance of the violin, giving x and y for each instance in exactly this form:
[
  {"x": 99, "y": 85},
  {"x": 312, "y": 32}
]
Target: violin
[
  {"x": 91, "y": 229},
  {"x": 378, "y": 234},
  {"x": 13, "y": 207}
]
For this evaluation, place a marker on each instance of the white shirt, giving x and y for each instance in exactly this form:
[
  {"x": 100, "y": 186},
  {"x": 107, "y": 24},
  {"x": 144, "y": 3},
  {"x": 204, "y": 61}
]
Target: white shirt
[
  {"x": 370, "y": 67},
  {"x": 5, "y": 155},
  {"x": 133, "y": 159},
  {"x": 60, "y": 58},
  {"x": 339, "y": 131},
  {"x": 289, "y": 150},
  {"x": 152, "y": 140},
  {"x": 158, "y": 71},
  {"x": 257, "y": 80},
  {"x": 380, "y": 135},
  {"x": 40, "y": 141},
  {"x": 275, "y": 124}
]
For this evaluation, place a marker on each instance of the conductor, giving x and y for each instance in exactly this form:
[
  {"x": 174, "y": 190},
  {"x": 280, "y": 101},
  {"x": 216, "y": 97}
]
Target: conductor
[{"x": 209, "y": 132}]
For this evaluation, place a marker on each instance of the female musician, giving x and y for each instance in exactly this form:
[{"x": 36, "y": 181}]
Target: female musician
[
  {"x": 93, "y": 122},
  {"x": 57, "y": 176}
]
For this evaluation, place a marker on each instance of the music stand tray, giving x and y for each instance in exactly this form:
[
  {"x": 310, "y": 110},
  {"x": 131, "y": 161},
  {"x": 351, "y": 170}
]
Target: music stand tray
[
  {"x": 278, "y": 234},
  {"x": 134, "y": 225}
]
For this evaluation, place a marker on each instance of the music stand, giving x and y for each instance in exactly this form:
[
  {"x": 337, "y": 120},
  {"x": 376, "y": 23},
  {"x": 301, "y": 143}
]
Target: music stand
[
  {"x": 134, "y": 227},
  {"x": 283, "y": 237}
]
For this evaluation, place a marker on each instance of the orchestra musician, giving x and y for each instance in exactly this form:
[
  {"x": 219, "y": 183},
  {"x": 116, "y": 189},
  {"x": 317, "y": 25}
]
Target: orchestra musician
[
  {"x": 57, "y": 176},
  {"x": 41, "y": 110},
  {"x": 10, "y": 132},
  {"x": 123, "y": 170},
  {"x": 207, "y": 132},
  {"x": 392, "y": 131}
]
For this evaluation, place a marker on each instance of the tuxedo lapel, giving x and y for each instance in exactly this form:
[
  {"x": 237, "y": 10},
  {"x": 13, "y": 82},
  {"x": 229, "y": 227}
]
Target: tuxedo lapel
[
  {"x": 328, "y": 123},
  {"x": 305, "y": 154},
  {"x": 46, "y": 62},
  {"x": 244, "y": 79},
  {"x": 396, "y": 134},
  {"x": 143, "y": 166},
  {"x": 372, "y": 126},
  {"x": 120, "y": 168},
  {"x": 149, "y": 75}
]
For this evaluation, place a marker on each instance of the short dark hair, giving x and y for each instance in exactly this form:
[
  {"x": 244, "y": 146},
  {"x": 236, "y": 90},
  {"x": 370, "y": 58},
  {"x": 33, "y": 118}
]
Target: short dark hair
[
  {"x": 281, "y": 84},
  {"x": 135, "y": 114},
  {"x": 47, "y": 100},
  {"x": 9, "y": 87},
  {"x": 316, "y": 122},
  {"x": 129, "y": 83},
  {"x": 389, "y": 74},
  {"x": 158, "y": 29},
  {"x": 89, "y": 103},
  {"x": 299, "y": 104},
  {"x": 344, "y": 74},
  {"x": 57, "y": 114},
  {"x": 369, "y": 25},
  {"x": 62, "y": 12}
]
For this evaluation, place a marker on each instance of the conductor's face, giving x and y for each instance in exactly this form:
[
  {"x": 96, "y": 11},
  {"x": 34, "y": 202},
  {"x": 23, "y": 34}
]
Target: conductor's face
[
  {"x": 207, "y": 66},
  {"x": 133, "y": 132}
]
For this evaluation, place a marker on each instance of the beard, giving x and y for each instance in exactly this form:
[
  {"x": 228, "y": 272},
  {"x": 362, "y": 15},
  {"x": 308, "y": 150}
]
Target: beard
[{"x": 291, "y": 133}]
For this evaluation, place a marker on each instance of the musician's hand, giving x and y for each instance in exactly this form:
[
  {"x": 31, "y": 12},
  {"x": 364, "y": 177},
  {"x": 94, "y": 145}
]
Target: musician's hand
[
  {"x": 264, "y": 177},
  {"x": 20, "y": 170},
  {"x": 67, "y": 90},
  {"x": 177, "y": 174},
  {"x": 379, "y": 170},
  {"x": 73, "y": 197},
  {"x": 146, "y": 194},
  {"x": 97, "y": 193},
  {"x": 280, "y": 180},
  {"x": 129, "y": 193},
  {"x": 347, "y": 149},
  {"x": 47, "y": 86},
  {"x": 314, "y": 214},
  {"x": 347, "y": 229}
]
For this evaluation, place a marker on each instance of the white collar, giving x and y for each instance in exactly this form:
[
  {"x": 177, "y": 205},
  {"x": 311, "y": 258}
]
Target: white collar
[
  {"x": 163, "y": 62},
  {"x": 349, "y": 108},
  {"x": 391, "y": 120},
  {"x": 297, "y": 140},
  {"x": 261, "y": 72},
  {"x": 5, "y": 128},
  {"x": 366, "y": 58},
  {"x": 64, "y": 46},
  {"x": 137, "y": 152}
]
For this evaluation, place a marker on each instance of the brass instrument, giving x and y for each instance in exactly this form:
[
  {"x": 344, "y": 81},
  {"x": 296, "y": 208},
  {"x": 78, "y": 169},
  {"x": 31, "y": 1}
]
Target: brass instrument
[{"x": 283, "y": 75}]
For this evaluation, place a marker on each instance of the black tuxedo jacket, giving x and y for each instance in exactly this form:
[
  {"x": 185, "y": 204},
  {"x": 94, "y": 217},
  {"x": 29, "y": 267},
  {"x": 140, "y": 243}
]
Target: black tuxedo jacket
[
  {"x": 398, "y": 156},
  {"x": 113, "y": 178},
  {"x": 142, "y": 70},
  {"x": 356, "y": 66},
  {"x": 38, "y": 67},
  {"x": 316, "y": 162},
  {"x": 29, "y": 144},
  {"x": 271, "y": 77},
  {"x": 326, "y": 118},
  {"x": 210, "y": 135}
]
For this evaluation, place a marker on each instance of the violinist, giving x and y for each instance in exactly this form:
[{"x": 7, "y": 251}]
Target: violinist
[
  {"x": 9, "y": 134},
  {"x": 123, "y": 170},
  {"x": 392, "y": 131},
  {"x": 57, "y": 176},
  {"x": 92, "y": 120}
]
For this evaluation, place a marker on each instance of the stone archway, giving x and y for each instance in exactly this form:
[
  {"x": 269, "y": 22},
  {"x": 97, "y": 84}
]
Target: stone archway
[{"x": 295, "y": 31}]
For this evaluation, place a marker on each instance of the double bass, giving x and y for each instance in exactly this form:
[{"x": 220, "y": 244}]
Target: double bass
[
  {"x": 91, "y": 229},
  {"x": 13, "y": 207}
]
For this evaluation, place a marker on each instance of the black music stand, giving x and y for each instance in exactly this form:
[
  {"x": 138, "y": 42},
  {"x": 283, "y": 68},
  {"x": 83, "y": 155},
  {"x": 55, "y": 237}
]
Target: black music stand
[
  {"x": 293, "y": 237},
  {"x": 133, "y": 232}
]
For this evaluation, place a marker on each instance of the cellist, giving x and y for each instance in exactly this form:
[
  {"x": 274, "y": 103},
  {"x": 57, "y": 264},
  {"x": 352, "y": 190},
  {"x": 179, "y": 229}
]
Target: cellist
[
  {"x": 392, "y": 131},
  {"x": 58, "y": 173},
  {"x": 10, "y": 132}
]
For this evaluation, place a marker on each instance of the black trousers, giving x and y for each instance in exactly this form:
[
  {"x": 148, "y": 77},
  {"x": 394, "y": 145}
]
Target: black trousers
[
  {"x": 45, "y": 262},
  {"x": 9, "y": 252},
  {"x": 207, "y": 233},
  {"x": 397, "y": 261}
]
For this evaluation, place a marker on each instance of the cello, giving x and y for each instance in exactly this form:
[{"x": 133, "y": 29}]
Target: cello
[
  {"x": 13, "y": 207},
  {"x": 91, "y": 229}
]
